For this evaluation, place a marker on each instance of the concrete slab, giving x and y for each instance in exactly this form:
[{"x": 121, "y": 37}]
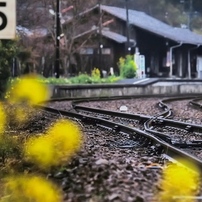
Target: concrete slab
[{"x": 138, "y": 81}]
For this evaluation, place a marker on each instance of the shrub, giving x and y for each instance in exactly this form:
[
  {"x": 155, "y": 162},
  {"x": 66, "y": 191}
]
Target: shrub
[
  {"x": 8, "y": 50},
  {"x": 127, "y": 67},
  {"x": 10, "y": 147},
  {"x": 81, "y": 79},
  {"x": 16, "y": 111},
  {"x": 53, "y": 148},
  {"x": 110, "y": 79},
  {"x": 53, "y": 80}
]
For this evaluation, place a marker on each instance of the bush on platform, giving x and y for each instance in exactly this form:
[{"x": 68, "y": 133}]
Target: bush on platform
[
  {"x": 127, "y": 66},
  {"x": 81, "y": 79}
]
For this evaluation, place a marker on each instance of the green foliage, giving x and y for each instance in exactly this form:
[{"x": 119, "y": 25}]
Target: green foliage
[
  {"x": 8, "y": 50},
  {"x": 110, "y": 79},
  {"x": 24, "y": 54},
  {"x": 81, "y": 79},
  {"x": 10, "y": 146},
  {"x": 127, "y": 67},
  {"x": 53, "y": 80}
]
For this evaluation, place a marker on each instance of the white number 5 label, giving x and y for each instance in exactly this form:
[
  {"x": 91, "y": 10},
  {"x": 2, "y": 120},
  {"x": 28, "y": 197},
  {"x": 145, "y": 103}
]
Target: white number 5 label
[{"x": 7, "y": 19}]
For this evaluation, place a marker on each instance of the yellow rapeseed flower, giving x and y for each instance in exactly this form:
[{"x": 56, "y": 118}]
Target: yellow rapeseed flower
[
  {"x": 2, "y": 119},
  {"x": 179, "y": 182},
  {"x": 95, "y": 73},
  {"x": 41, "y": 151},
  {"x": 30, "y": 189},
  {"x": 60, "y": 143},
  {"x": 28, "y": 88},
  {"x": 66, "y": 136}
]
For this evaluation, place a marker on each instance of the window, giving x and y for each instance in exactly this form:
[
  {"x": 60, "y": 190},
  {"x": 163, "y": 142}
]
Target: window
[
  {"x": 106, "y": 51},
  {"x": 86, "y": 51}
]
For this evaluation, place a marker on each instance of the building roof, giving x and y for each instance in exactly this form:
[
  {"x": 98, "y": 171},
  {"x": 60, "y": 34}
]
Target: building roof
[
  {"x": 106, "y": 33},
  {"x": 23, "y": 31},
  {"x": 114, "y": 36},
  {"x": 35, "y": 33},
  {"x": 148, "y": 23}
]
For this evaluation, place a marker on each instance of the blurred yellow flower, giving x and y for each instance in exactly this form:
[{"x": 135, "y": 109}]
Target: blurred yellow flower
[
  {"x": 61, "y": 142},
  {"x": 66, "y": 136},
  {"x": 95, "y": 73},
  {"x": 2, "y": 119},
  {"x": 41, "y": 151},
  {"x": 30, "y": 189},
  {"x": 178, "y": 182},
  {"x": 28, "y": 88}
]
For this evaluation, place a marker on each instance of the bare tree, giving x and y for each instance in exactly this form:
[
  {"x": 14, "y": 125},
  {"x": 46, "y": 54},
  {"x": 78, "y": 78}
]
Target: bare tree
[
  {"x": 79, "y": 19},
  {"x": 35, "y": 43}
]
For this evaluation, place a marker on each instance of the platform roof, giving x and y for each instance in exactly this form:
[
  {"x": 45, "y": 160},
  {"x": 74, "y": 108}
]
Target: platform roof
[{"x": 153, "y": 25}]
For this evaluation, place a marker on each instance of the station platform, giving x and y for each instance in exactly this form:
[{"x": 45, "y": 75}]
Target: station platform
[
  {"x": 127, "y": 87},
  {"x": 160, "y": 81}
]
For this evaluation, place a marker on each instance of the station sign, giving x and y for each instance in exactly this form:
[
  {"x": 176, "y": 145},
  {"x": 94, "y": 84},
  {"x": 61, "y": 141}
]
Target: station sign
[
  {"x": 140, "y": 62},
  {"x": 7, "y": 19}
]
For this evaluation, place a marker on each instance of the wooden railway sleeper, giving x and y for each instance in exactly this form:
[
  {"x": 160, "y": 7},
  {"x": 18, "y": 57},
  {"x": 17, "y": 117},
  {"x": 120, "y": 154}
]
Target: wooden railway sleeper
[
  {"x": 121, "y": 145},
  {"x": 88, "y": 120},
  {"x": 189, "y": 128},
  {"x": 116, "y": 128},
  {"x": 186, "y": 145},
  {"x": 142, "y": 120}
]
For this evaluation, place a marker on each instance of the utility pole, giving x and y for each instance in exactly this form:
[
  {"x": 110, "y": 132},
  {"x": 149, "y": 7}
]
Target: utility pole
[
  {"x": 127, "y": 29},
  {"x": 57, "y": 35},
  {"x": 100, "y": 36}
]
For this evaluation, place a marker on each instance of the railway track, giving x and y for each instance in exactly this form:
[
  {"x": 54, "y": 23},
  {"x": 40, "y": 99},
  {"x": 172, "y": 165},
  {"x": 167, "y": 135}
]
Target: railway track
[
  {"x": 125, "y": 152},
  {"x": 168, "y": 135}
]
